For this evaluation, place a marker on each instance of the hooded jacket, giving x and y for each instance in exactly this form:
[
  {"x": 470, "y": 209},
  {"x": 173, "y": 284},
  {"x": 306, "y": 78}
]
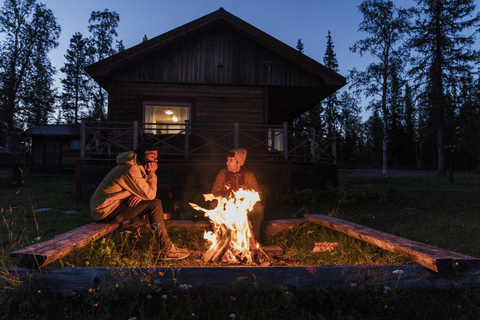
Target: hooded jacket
[{"x": 126, "y": 179}]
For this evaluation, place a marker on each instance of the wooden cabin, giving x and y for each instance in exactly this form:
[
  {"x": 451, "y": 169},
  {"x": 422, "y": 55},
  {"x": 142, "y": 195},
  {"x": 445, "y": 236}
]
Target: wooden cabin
[
  {"x": 53, "y": 148},
  {"x": 204, "y": 88}
]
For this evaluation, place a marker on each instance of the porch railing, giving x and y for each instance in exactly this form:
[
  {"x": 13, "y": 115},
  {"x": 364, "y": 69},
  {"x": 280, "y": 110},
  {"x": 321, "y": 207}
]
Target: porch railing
[{"x": 189, "y": 141}]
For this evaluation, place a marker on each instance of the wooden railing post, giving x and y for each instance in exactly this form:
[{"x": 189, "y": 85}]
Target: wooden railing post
[
  {"x": 135, "y": 134},
  {"x": 285, "y": 140},
  {"x": 312, "y": 145},
  {"x": 334, "y": 148},
  {"x": 187, "y": 138},
  {"x": 83, "y": 138},
  {"x": 237, "y": 136}
]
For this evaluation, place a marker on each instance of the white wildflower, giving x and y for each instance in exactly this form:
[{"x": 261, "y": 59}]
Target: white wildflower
[
  {"x": 398, "y": 272},
  {"x": 232, "y": 315},
  {"x": 164, "y": 296},
  {"x": 386, "y": 289},
  {"x": 183, "y": 286},
  {"x": 157, "y": 282},
  {"x": 148, "y": 296},
  {"x": 233, "y": 298},
  {"x": 38, "y": 238}
]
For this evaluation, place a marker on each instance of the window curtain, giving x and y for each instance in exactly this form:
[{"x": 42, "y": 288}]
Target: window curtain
[{"x": 150, "y": 118}]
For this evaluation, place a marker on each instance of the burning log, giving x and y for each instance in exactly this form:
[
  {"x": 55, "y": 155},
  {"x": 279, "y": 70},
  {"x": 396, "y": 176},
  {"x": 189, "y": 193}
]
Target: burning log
[
  {"x": 232, "y": 240},
  {"x": 216, "y": 252}
]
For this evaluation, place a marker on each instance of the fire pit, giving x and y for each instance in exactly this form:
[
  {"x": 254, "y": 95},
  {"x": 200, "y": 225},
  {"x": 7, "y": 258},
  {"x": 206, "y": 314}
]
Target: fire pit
[{"x": 232, "y": 240}]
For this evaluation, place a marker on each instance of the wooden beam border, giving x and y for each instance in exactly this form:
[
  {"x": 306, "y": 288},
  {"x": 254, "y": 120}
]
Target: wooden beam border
[
  {"x": 69, "y": 281},
  {"x": 434, "y": 258}
]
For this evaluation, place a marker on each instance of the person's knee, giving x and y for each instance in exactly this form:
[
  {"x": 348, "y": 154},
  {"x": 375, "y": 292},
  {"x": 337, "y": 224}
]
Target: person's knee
[
  {"x": 259, "y": 209},
  {"x": 157, "y": 202}
]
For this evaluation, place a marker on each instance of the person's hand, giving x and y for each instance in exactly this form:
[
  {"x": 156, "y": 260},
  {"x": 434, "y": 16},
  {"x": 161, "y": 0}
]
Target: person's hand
[
  {"x": 151, "y": 167},
  {"x": 133, "y": 201}
]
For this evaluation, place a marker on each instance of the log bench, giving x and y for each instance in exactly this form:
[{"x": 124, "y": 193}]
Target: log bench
[
  {"x": 40, "y": 254},
  {"x": 434, "y": 258}
]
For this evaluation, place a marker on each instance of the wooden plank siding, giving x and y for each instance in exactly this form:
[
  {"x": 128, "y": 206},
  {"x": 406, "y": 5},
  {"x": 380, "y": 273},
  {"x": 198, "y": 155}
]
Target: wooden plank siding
[
  {"x": 210, "y": 104},
  {"x": 217, "y": 55}
]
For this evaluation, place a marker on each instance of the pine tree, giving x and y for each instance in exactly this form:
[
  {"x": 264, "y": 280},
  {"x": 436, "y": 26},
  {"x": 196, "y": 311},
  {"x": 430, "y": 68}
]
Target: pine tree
[
  {"x": 102, "y": 26},
  {"x": 300, "y": 46},
  {"x": 75, "y": 83},
  {"x": 38, "y": 96},
  {"x": 443, "y": 51},
  {"x": 351, "y": 129},
  {"x": 386, "y": 25},
  {"x": 29, "y": 32},
  {"x": 332, "y": 116}
]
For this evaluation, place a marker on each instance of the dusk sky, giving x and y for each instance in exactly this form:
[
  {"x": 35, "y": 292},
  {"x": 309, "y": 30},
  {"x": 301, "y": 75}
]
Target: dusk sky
[{"x": 286, "y": 20}]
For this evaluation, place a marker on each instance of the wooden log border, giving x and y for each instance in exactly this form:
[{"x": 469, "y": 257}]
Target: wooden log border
[
  {"x": 69, "y": 281},
  {"x": 434, "y": 258}
]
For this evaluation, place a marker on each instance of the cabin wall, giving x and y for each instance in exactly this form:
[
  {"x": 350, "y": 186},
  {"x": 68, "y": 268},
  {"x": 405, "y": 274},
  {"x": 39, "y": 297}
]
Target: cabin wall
[
  {"x": 217, "y": 55},
  {"x": 210, "y": 104}
]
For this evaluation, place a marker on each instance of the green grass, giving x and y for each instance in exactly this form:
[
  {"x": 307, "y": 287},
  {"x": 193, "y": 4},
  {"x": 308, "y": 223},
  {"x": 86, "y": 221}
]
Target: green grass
[{"x": 427, "y": 209}]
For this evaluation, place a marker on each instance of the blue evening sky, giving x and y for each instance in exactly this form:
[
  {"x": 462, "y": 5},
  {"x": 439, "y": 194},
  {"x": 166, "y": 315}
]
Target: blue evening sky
[{"x": 286, "y": 20}]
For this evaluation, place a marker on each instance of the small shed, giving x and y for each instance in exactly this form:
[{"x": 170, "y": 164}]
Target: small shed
[
  {"x": 10, "y": 172},
  {"x": 54, "y": 148}
]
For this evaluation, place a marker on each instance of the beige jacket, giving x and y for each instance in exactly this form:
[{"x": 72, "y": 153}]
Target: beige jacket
[{"x": 126, "y": 179}]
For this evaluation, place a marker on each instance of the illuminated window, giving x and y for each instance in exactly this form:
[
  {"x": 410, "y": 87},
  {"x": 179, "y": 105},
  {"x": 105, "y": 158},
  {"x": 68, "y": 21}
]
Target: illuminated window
[
  {"x": 275, "y": 139},
  {"x": 165, "y": 118}
]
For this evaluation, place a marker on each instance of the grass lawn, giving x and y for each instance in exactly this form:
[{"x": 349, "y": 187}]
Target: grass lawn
[{"x": 425, "y": 209}]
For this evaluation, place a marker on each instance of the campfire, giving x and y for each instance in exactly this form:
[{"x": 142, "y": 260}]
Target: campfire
[{"x": 232, "y": 239}]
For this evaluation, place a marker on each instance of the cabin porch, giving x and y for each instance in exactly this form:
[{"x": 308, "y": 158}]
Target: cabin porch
[{"x": 283, "y": 158}]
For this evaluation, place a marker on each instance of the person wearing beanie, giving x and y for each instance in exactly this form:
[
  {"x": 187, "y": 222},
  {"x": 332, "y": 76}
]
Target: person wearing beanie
[
  {"x": 129, "y": 190},
  {"x": 236, "y": 176}
]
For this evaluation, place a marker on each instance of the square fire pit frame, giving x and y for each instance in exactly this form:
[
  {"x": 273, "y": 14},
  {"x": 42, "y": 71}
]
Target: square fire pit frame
[{"x": 437, "y": 269}]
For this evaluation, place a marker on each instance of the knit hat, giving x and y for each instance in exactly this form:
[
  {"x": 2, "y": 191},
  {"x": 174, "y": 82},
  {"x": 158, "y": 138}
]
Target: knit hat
[{"x": 240, "y": 155}]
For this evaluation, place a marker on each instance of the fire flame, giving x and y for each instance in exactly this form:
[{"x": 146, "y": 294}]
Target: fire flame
[{"x": 231, "y": 238}]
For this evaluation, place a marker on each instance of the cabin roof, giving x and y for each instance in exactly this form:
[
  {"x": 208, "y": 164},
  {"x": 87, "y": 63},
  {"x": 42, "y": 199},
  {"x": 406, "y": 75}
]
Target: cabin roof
[
  {"x": 53, "y": 130},
  {"x": 100, "y": 70}
]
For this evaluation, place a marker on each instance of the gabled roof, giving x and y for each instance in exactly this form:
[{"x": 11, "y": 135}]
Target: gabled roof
[
  {"x": 53, "y": 130},
  {"x": 101, "y": 69}
]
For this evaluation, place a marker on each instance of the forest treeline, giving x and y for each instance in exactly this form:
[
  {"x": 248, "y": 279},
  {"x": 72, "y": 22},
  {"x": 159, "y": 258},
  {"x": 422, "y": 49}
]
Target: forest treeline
[{"x": 422, "y": 88}]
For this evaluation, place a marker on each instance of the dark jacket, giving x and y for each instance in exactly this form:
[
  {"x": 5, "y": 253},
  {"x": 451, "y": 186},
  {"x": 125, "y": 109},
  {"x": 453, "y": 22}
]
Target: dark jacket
[{"x": 220, "y": 189}]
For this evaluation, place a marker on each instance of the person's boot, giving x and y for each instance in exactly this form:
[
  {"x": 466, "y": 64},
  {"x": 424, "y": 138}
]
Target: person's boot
[{"x": 175, "y": 253}]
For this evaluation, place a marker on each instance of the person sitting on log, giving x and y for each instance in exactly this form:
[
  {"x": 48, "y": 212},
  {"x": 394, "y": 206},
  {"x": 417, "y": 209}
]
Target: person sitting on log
[
  {"x": 129, "y": 190},
  {"x": 234, "y": 177}
]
